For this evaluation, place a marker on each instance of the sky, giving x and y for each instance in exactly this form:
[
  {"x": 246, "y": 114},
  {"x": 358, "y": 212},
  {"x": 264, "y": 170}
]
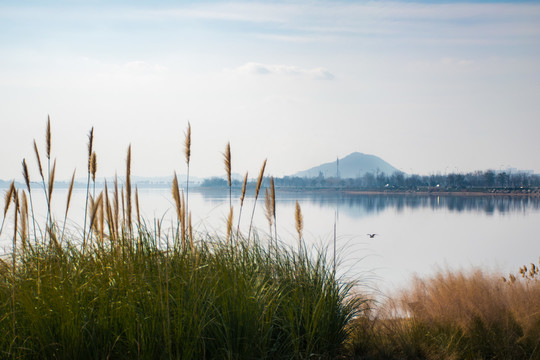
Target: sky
[{"x": 429, "y": 86}]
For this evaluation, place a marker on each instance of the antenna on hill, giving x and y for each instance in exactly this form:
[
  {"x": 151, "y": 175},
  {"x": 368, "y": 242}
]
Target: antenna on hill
[{"x": 337, "y": 167}]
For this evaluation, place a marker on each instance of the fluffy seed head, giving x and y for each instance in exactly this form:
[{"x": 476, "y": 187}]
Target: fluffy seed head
[
  {"x": 187, "y": 149},
  {"x": 48, "y": 137},
  {"x": 268, "y": 207},
  {"x": 25, "y": 174},
  {"x": 38, "y": 159},
  {"x": 227, "y": 160},
  {"x": 90, "y": 148},
  {"x": 70, "y": 191},
  {"x": 93, "y": 166},
  {"x": 244, "y": 184},
  {"x": 259, "y": 180},
  {"x": 51, "y": 181},
  {"x": 299, "y": 220},
  {"x": 8, "y": 196}
]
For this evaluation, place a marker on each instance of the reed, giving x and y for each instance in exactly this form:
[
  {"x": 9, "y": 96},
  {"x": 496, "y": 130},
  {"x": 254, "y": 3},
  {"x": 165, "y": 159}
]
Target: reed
[
  {"x": 14, "y": 259},
  {"x": 116, "y": 208},
  {"x": 90, "y": 152},
  {"x": 128, "y": 191},
  {"x": 24, "y": 218},
  {"x": 187, "y": 153},
  {"x": 242, "y": 196},
  {"x": 268, "y": 211},
  {"x": 230, "y": 225},
  {"x": 299, "y": 222},
  {"x": 68, "y": 201},
  {"x": 7, "y": 202},
  {"x": 257, "y": 189},
  {"x": 137, "y": 208},
  {"x": 227, "y": 162},
  {"x": 40, "y": 168},
  {"x": 273, "y": 201},
  {"x": 26, "y": 176}
]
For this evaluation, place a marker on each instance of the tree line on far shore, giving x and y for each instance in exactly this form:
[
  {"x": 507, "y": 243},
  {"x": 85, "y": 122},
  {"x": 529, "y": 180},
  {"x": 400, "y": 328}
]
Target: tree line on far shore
[{"x": 489, "y": 180}]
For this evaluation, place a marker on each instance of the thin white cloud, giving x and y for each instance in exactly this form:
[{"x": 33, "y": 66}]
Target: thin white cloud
[
  {"x": 284, "y": 70},
  {"x": 298, "y": 20}
]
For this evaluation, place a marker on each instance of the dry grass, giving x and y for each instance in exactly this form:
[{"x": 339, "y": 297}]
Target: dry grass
[{"x": 455, "y": 315}]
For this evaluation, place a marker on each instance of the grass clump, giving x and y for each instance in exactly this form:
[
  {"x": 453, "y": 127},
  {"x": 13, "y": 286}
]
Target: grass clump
[
  {"x": 126, "y": 290},
  {"x": 216, "y": 301},
  {"x": 455, "y": 315}
]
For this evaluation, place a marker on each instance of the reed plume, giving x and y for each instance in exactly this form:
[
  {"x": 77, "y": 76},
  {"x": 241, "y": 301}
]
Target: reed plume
[
  {"x": 7, "y": 200},
  {"x": 90, "y": 145},
  {"x": 51, "y": 184},
  {"x": 93, "y": 166},
  {"x": 242, "y": 196},
  {"x": 90, "y": 151},
  {"x": 26, "y": 176},
  {"x": 257, "y": 189},
  {"x": 187, "y": 153},
  {"x": 177, "y": 200},
  {"x": 187, "y": 149},
  {"x": 93, "y": 214},
  {"x": 227, "y": 161},
  {"x": 48, "y": 137},
  {"x": 38, "y": 158},
  {"x": 299, "y": 220},
  {"x": 268, "y": 210},
  {"x": 176, "y": 196},
  {"x": 128, "y": 189},
  {"x": 70, "y": 191}
]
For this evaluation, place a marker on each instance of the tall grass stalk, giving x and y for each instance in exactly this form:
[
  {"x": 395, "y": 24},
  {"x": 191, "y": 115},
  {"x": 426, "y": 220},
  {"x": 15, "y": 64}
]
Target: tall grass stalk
[
  {"x": 7, "y": 202},
  {"x": 299, "y": 222},
  {"x": 187, "y": 153},
  {"x": 68, "y": 200},
  {"x": 257, "y": 189},
  {"x": 273, "y": 200},
  {"x": 227, "y": 161},
  {"x": 242, "y": 196},
  {"x": 26, "y": 177},
  {"x": 90, "y": 152},
  {"x": 128, "y": 191}
]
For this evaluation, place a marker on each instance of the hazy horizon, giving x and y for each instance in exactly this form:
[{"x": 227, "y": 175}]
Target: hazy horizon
[{"x": 428, "y": 86}]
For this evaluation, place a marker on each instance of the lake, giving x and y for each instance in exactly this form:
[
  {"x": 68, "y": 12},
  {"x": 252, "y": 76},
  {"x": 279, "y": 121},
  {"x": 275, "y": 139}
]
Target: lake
[{"x": 415, "y": 233}]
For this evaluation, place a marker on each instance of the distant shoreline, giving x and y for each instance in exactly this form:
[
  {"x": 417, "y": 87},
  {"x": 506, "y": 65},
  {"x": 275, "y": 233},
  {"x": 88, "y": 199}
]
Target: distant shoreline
[{"x": 445, "y": 193}]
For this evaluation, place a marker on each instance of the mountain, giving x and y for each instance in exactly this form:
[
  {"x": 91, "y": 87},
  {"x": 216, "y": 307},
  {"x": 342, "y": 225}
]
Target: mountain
[{"x": 351, "y": 166}]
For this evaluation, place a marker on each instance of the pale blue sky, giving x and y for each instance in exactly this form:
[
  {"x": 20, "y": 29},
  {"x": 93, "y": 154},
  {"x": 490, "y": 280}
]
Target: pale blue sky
[{"x": 428, "y": 86}]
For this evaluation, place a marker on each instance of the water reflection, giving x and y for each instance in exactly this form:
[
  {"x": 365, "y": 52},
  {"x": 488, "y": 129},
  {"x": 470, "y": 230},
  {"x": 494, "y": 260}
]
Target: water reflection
[{"x": 375, "y": 203}]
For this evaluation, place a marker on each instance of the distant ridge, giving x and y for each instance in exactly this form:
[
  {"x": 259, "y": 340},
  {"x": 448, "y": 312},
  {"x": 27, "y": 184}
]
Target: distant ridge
[{"x": 351, "y": 166}]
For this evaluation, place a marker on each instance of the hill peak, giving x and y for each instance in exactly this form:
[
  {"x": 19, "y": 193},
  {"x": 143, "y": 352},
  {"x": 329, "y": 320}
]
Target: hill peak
[{"x": 353, "y": 165}]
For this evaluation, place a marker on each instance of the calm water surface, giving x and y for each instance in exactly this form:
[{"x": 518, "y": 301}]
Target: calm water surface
[{"x": 415, "y": 234}]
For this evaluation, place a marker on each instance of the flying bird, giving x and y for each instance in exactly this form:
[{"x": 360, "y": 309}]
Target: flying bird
[{"x": 371, "y": 236}]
